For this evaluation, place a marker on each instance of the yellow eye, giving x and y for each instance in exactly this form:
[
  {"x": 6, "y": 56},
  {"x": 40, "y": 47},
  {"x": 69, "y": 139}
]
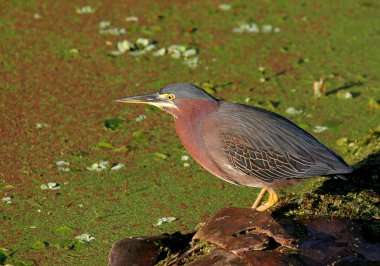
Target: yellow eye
[{"x": 171, "y": 97}]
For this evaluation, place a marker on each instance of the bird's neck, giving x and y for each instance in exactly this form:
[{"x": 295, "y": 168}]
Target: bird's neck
[
  {"x": 189, "y": 124},
  {"x": 190, "y": 115}
]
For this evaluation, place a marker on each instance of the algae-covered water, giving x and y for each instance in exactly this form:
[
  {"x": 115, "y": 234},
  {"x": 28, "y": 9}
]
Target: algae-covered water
[{"x": 78, "y": 171}]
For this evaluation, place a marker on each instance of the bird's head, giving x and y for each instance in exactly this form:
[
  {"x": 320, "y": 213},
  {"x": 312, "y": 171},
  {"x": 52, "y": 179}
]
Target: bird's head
[{"x": 174, "y": 98}]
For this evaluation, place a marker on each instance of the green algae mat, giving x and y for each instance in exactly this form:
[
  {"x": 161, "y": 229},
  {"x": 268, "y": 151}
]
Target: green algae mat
[{"x": 79, "y": 172}]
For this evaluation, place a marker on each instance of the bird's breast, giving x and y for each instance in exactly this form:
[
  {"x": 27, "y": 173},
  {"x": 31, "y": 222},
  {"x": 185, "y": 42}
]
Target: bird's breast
[{"x": 189, "y": 126}]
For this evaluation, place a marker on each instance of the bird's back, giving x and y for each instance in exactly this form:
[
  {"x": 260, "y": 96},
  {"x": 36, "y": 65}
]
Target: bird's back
[{"x": 250, "y": 141}]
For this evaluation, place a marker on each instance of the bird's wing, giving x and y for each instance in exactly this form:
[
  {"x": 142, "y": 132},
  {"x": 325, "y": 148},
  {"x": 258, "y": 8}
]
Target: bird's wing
[{"x": 265, "y": 145}]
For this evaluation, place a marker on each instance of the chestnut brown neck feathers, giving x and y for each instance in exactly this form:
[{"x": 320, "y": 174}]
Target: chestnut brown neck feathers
[{"x": 189, "y": 123}]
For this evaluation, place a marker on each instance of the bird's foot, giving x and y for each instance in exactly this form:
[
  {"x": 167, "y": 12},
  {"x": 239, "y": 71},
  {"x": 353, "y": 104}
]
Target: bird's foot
[
  {"x": 259, "y": 198},
  {"x": 273, "y": 198}
]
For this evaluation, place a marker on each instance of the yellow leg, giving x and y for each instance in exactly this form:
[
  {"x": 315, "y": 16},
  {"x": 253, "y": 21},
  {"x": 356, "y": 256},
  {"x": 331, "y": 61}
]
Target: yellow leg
[
  {"x": 259, "y": 198},
  {"x": 273, "y": 198}
]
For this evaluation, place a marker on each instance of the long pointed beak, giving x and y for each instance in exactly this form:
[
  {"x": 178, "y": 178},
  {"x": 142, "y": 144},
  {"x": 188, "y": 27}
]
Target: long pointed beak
[{"x": 152, "y": 98}]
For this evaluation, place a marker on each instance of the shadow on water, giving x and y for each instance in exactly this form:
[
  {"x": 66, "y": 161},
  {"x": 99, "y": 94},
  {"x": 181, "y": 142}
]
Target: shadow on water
[
  {"x": 366, "y": 175},
  {"x": 346, "y": 87}
]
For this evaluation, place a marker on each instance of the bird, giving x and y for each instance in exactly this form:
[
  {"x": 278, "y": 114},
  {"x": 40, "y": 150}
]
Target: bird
[{"x": 243, "y": 144}]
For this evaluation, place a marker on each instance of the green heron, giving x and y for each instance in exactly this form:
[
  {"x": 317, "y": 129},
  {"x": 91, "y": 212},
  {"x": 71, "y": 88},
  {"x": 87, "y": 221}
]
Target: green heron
[{"x": 242, "y": 144}]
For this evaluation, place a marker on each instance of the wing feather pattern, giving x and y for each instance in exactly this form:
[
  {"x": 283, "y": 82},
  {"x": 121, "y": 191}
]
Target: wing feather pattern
[{"x": 265, "y": 145}]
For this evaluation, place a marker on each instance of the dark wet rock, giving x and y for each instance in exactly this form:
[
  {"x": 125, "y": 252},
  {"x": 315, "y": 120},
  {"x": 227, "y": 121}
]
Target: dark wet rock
[
  {"x": 246, "y": 237},
  {"x": 332, "y": 241},
  {"x": 218, "y": 257},
  {"x": 241, "y": 229},
  {"x": 246, "y": 233},
  {"x": 135, "y": 251},
  {"x": 146, "y": 250},
  {"x": 257, "y": 239},
  {"x": 270, "y": 257}
]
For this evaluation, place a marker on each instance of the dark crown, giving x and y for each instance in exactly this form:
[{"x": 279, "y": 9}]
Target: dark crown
[{"x": 187, "y": 90}]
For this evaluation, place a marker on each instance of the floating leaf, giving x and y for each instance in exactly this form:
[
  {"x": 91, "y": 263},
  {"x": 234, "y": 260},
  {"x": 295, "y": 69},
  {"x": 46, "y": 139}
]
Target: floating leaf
[
  {"x": 293, "y": 111},
  {"x": 64, "y": 169},
  {"x": 50, "y": 186},
  {"x": 74, "y": 51},
  {"x": 160, "y": 52},
  {"x": 125, "y": 45},
  {"x": 113, "y": 123},
  {"x": 150, "y": 47},
  {"x": 7, "y": 200},
  {"x": 225, "y": 7},
  {"x": 176, "y": 51},
  {"x": 104, "y": 145},
  {"x": 185, "y": 158},
  {"x": 190, "y": 53},
  {"x": 144, "y": 45},
  {"x": 62, "y": 163},
  {"x": 42, "y": 125},
  {"x": 53, "y": 186},
  {"x": 131, "y": 19},
  {"x": 374, "y": 104},
  {"x": 85, "y": 238},
  {"x": 141, "y": 46},
  {"x": 252, "y": 27},
  {"x": 142, "y": 42},
  {"x": 165, "y": 220},
  {"x": 117, "y": 166},
  {"x": 247, "y": 27},
  {"x": 344, "y": 95},
  {"x": 98, "y": 166},
  {"x": 115, "y": 53},
  {"x": 342, "y": 141},
  {"x": 44, "y": 187},
  {"x": 65, "y": 230},
  {"x": 267, "y": 28},
  {"x": 160, "y": 155},
  {"x": 104, "y": 24},
  {"x": 85, "y": 10},
  {"x": 140, "y": 118},
  {"x": 192, "y": 62},
  {"x": 113, "y": 31},
  {"x": 40, "y": 245},
  {"x": 62, "y": 166},
  {"x": 319, "y": 129},
  {"x": 137, "y": 52}
]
